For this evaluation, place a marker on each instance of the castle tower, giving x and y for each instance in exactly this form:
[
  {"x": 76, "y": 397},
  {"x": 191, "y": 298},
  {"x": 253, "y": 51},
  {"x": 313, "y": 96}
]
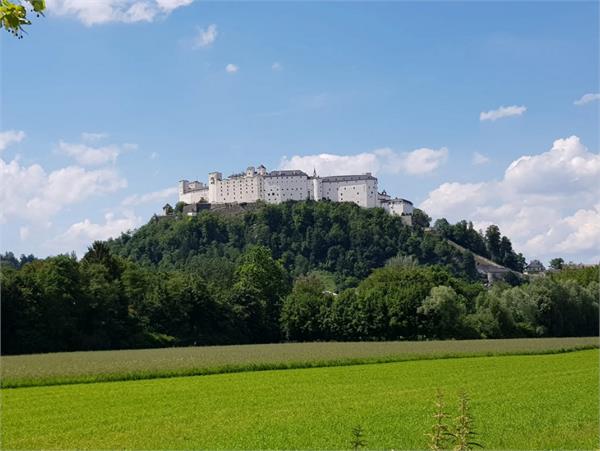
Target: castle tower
[
  {"x": 317, "y": 185},
  {"x": 183, "y": 187},
  {"x": 214, "y": 178}
]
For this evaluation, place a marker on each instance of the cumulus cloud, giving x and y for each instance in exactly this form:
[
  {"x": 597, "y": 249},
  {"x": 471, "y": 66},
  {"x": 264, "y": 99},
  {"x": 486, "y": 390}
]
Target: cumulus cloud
[
  {"x": 385, "y": 160},
  {"x": 587, "y": 98},
  {"x": 276, "y": 66},
  {"x": 503, "y": 111},
  {"x": 88, "y": 155},
  {"x": 24, "y": 233},
  {"x": 424, "y": 160},
  {"x": 231, "y": 68},
  {"x": 93, "y": 137},
  {"x": 546, "y": 202},
  {"x": 31, "y": 193},
  {"x": 95, "y": 12},
  {"x": 329, "y": 164},
  {"x": 10, "y": 137},
  {"x": 479, "y": 159},
  {"x": 153, "y": 197},
  {"x": 170, "y": 5},
  {"x": 206, "y": 37},
  {"x": 81, "y": 234}
]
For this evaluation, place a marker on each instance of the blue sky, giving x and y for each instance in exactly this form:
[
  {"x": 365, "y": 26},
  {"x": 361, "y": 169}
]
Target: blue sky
[{"x": 107, "y": 104}]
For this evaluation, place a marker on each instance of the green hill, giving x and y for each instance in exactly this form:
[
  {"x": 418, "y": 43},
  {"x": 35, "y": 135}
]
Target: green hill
[{"x": 340, "y": 238}]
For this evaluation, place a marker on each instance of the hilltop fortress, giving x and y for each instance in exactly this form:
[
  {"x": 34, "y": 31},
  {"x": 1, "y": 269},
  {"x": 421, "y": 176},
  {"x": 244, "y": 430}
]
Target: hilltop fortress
[{"x": 279, "y": 186}]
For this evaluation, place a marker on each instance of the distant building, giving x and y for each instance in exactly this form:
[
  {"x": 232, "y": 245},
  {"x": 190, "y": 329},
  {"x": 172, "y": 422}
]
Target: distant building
[
  {"x": 279, "y": 186},
  {"x": 534, "y": 267}
]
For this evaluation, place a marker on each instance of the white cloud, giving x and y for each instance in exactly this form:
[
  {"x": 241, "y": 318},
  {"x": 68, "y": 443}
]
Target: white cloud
[
  {"x": 276, "y": 66},
  {"x": 24, "y": 233},
  {"x": 503, "y": 111},
  {"x": 206, "y": 37},
  {"x": 479, "y": 159},
  {"x": 90, "y": 156},
  {"x": 9, "y": 137},
  {"x": 328, "y": 164},
  {"x": 231, "y": 68},
  {"x": 81, "y": 234},
  {"x": 154, "y": 155},
  {"x": 547, "y": 203},
  {"x": 153, "y": 197},
  {"x": 424, "y": 161},
  {"x": 93, "y": 137},
  {"x": 587, "y": 98},
  {"x": 30, "y": 193},
  {"x": 170, "y": 5},
  {"x": 95, "y": 12},
  {"x": 385, "y": 160}
]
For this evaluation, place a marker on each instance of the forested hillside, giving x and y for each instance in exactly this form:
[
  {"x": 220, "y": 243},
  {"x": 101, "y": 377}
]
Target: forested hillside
[{"x": 341, "y": 238}]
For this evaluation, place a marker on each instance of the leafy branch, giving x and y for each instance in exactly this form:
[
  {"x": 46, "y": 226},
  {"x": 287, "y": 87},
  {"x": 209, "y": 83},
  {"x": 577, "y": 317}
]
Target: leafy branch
[{"x": 13, "y": 16}]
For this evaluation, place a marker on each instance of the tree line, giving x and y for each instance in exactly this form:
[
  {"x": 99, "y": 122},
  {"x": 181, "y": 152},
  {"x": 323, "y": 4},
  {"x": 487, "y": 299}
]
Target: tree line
[
  {"x": 107, "y": 302},
  {"x": 408, "y": 302}
]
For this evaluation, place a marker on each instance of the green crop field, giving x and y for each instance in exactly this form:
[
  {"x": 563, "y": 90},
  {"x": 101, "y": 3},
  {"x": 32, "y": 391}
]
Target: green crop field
[
  {"x": 518, "y": 402},
  {"x": 77, "y": 367}
]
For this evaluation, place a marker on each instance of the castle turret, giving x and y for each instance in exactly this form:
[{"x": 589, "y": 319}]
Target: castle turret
[
  {"x": 213, "y": 181},
  {"x": 317, "y": 185},
  {"x": 183, "y": 187}
]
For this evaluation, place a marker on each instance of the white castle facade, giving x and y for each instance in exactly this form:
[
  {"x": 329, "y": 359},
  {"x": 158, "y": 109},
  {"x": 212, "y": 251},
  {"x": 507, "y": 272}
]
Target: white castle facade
[{"x": 279, "y": 186}]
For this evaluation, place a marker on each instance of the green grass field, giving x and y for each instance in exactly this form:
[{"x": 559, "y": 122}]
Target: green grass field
[
  {"x": 78, "y": 367},
  {"x": 519, "y": 402}
]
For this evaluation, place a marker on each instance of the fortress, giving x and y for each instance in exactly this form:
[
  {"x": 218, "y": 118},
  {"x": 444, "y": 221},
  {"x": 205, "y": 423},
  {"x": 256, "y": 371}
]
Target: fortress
[{"x": 279, "y": 186}]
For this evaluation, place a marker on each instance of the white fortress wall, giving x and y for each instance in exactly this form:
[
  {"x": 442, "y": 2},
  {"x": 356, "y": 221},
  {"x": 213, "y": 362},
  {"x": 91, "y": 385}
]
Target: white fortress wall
[
  {"x": 279, "y": 186},
  {"x": 360, "y": 189},
  {"x": 237, "y": 189},
  {"x": 192, "y": 192}
]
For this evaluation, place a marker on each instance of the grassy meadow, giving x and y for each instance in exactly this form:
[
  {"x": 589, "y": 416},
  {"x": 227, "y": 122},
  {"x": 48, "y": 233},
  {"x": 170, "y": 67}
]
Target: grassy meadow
[
  {"x": 519, "y": 402},
  {"x": 81, "y": 367}
]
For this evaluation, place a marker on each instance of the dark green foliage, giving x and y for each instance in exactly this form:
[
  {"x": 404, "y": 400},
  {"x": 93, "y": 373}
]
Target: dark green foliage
[
  {"x": 491, "y": 245},
  {"x": 305, "y": 309},
  {"x": 582, "y": 275},
  {"x": 385, "y": 306},
  {"x": 340, "y": 238},
  {"x": 420, "y": 219},
  {"x": 9, "y": 260},
  {"x": 105, "y": 302}
]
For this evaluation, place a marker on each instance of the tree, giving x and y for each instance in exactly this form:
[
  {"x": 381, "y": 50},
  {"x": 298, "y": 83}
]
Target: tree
[
  {"x": 14, "y": 16},
  {"x": 443, "y": 311},
  {"x": 99, "y": 252},
  {"x": 304, "y": 310},
  {"x": 557, "y": 263},
  {"x": 420, "y": 219},
  {"x": 179, "y": 207},
  {"x": 493, "y": 238},
  {"x": 261, "y": 285}
]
